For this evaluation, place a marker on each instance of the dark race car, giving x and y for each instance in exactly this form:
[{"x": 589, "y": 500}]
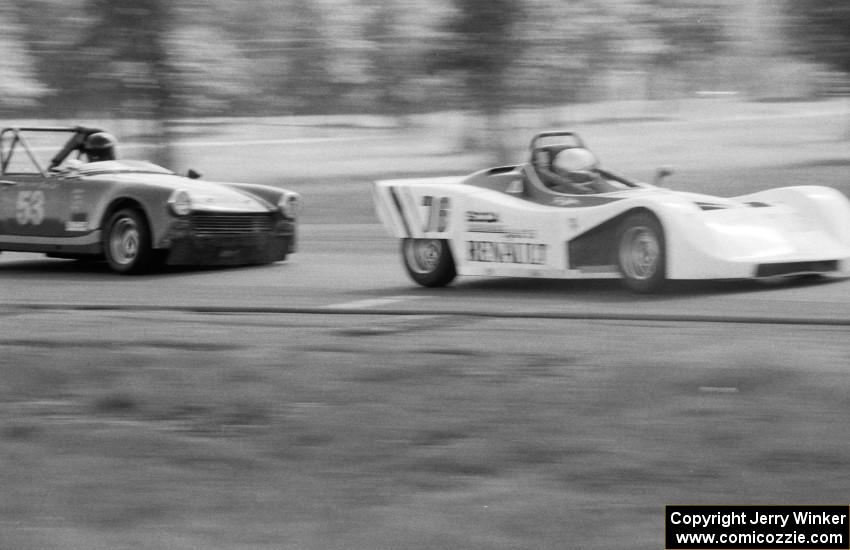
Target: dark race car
[{"x": 83, "y": 202}]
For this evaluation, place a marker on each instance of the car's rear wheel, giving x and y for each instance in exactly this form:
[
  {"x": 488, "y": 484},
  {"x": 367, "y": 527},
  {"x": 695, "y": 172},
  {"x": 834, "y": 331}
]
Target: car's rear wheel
[
  {"x": 641, "y": 253},
  {"x": 127, "y": 242},
  {"x": 429, "y": 262}
]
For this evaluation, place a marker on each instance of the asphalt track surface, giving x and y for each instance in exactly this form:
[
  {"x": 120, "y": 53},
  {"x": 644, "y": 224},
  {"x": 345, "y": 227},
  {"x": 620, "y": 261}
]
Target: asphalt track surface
[{"x": 356, "y": 269}]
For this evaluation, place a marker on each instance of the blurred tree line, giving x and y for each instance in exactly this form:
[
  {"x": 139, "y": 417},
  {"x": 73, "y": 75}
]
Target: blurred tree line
[
  {"x": 820, "y": 29},
  {"x": 161, "y": 59}
]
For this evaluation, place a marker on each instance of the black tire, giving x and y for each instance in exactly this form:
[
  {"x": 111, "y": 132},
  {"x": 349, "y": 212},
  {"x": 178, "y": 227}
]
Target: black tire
[
  {"x": 641, "y": 253},
  {"x": 127, "y": 242},
  {"x": 429, "y": 262}
]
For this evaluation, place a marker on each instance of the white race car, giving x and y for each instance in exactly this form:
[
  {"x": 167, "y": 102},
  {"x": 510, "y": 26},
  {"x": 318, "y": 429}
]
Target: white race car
[{"x": 561, "y": 215}]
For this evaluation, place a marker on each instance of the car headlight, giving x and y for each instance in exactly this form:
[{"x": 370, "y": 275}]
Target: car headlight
[
  {"x": 180, "y": 202},
  {"x": 290, "y": 204}
]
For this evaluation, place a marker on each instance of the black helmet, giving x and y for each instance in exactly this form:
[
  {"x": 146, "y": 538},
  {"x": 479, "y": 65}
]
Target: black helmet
[{"x": 100, "y": 146}]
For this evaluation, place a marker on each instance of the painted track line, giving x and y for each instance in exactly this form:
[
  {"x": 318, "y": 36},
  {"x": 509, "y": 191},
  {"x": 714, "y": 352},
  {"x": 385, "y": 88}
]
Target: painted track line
[
  {"x": 337, "y": 310},
  {"x": 371, "y": 303}
]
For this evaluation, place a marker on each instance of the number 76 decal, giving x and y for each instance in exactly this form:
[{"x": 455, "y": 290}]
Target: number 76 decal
[
  {"x": 437, "y": 218},
  {"x": 29, "y": 209}
]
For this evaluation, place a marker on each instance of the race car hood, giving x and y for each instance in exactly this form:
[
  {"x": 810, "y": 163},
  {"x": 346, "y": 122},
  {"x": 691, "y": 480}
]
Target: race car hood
[
  {"x": 755, "y": 230},
  {"x": 205, "y": 195},
  {"x": 763, "y": 231},
  {"x": 745, "y": 229},
  {"x": 661, "y": 194}
]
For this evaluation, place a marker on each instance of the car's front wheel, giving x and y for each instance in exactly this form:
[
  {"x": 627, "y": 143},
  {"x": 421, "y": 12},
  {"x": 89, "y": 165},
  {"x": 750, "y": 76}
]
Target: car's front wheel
[
  {"x": 429, "y": 262},
  {"x": 641, "y": 253},
  {"x": 127, "y": 242}
]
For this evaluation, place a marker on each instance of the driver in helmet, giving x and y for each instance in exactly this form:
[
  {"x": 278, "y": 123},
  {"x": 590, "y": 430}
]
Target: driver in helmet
[
  {"x": 100, "y": 146},
  {"x": 575, "y": 171}
]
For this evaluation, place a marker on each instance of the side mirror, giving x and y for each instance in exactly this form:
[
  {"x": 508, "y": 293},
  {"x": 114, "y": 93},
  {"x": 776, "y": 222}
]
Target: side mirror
[
  {"x": 661, "y": 173},
  {"x": 192, "y": 175}
]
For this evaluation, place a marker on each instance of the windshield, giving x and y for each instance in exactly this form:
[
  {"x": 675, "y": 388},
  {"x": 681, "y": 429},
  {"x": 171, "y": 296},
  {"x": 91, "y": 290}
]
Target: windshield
[{"x": 122, "y": 166}]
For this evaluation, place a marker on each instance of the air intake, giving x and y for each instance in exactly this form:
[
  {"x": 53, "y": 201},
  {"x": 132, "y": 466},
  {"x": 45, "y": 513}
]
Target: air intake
[{"x": 796, "y": 268}]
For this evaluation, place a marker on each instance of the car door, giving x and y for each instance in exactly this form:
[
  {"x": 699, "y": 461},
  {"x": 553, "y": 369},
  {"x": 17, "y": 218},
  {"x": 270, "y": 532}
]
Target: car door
[
  {"x": 34, "y": 202},
  {"x": 33, "y": 205}
]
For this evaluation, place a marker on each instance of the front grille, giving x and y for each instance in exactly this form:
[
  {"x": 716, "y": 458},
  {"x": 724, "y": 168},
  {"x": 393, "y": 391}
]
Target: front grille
[
  {"x": 230, "y": 224},
  {"x": 794, "y": 268}
]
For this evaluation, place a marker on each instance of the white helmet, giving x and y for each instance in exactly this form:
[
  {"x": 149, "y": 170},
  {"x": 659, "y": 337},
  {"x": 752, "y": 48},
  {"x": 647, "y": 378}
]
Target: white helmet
[{"x": 574, "y": 159}]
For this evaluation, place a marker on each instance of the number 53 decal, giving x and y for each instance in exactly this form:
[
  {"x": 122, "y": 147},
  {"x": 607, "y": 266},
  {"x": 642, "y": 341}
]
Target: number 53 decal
[{"x": 30, "y": 207}]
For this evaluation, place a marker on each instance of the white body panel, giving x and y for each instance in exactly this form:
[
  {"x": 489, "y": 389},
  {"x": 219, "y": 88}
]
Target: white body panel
[{"x": 497, "y": 231}]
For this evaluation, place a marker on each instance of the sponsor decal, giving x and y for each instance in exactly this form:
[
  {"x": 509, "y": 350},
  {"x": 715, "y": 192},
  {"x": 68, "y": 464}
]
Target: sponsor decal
[
  {"x": 483, "y": 222},
  {"x": 482, "y": 217},
  {"x": 78, "y": 208},
  {"x": 506, "y": 252},
  {"x": 524, "y": 234},
  {"x": 76, "y": 226},
  {"x": 515, "y": 186},
  {"x": 565, "y": 201},
  {"x": 488, "y": 222}
]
